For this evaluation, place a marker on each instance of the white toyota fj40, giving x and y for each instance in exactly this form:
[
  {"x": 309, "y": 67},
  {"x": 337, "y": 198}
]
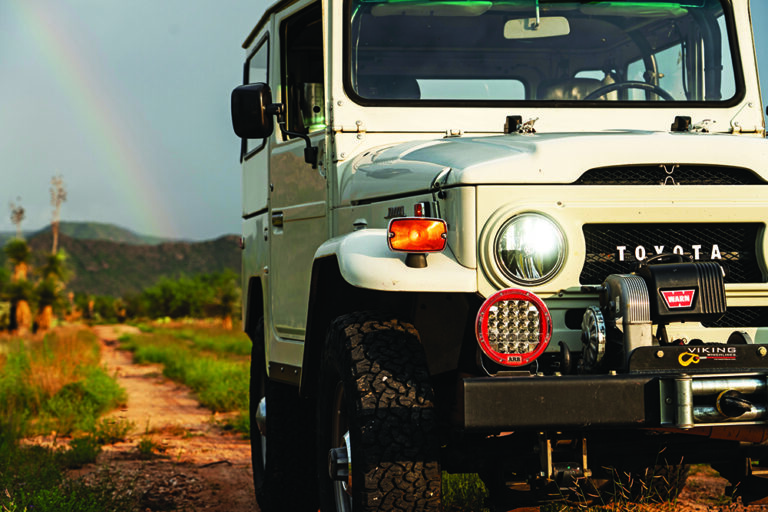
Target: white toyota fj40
[{"x": 519, "y": 238}]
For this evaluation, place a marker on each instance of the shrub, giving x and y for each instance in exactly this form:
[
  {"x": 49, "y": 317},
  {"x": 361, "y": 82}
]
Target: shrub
[{"x": 82, "y": 451}]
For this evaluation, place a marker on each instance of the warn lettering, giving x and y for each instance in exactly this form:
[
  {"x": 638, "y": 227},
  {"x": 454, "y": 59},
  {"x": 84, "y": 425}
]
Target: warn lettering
[{"x": 678, "y": 298}]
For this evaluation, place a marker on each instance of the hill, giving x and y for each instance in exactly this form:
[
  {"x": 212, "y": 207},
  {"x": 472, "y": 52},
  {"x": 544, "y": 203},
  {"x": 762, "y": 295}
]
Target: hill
[
  {"x": 93, "y": 231},
  {"x": 106, "y": 267}
]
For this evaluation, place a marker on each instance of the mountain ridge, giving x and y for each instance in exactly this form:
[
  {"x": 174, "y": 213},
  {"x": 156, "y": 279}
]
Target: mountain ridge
[
  {"x": 88, "y": 230},
  {"x": 103, "y": 266}
]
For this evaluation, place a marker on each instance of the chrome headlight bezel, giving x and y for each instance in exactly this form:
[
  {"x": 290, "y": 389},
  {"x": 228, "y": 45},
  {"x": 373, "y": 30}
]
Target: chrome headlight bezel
[{"x": 538, "y": 237}]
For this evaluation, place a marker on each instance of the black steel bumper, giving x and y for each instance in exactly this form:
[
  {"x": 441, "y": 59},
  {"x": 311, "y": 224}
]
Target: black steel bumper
[{"x": 659, "y": 391}]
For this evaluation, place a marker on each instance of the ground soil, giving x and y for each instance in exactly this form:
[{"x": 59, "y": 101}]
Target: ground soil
[{"x": 197, "y": 465}]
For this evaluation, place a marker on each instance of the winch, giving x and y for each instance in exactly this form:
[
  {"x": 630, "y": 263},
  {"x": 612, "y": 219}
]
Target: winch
[
  {"x": 700, "y": 384},
  {"x": 656, "y": 294}
]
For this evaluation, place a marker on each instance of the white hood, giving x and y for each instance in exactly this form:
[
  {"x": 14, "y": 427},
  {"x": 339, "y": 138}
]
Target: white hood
[{"x": 541, "y": 158}]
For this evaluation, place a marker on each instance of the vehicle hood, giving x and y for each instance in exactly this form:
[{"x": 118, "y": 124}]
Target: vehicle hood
[{"x": 550, "y": 158}]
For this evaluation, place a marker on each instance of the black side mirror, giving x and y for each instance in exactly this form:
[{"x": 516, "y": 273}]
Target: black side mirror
[{"x": 250, "y": 116}]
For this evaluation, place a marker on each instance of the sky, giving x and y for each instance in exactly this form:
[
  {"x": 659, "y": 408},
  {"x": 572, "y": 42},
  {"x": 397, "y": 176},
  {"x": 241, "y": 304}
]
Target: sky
[{"x": 128, "y": 100}]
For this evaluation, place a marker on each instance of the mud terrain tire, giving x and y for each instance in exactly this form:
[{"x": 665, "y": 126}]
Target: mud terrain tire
[
  {"x": 375, "y": 386},
  {"x": 289, "y": 448},
  {"x": 257, "y": 391}
]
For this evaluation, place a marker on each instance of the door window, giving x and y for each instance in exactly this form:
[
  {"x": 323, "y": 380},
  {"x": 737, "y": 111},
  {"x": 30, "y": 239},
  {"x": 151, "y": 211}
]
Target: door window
[
  {"x": 256, "y": 71},
  {"x": 302, "y": 70}
]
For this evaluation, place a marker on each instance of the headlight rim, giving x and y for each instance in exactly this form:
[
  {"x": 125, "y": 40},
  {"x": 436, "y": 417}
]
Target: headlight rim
[{"x": 507, "y": 273}]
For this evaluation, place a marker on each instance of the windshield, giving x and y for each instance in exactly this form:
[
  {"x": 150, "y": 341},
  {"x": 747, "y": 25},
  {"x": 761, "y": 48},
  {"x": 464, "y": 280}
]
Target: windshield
[{"x": 541, "y": 51}]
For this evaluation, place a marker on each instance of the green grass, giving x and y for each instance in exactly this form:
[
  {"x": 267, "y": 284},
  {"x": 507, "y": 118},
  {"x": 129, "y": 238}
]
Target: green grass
[
  {"x": 464, "y": 492},
  {"x": 214, "y": 363},
  {"x": 55, "y": 383},
  {"x": 32, "y": 478},
  {"x": 215, "y": 340}
]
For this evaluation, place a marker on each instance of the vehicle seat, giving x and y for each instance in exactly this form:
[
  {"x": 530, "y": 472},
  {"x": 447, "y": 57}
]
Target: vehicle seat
[
  {"x": 388, "y": 87},
  {"x": 569, "y": 89}
]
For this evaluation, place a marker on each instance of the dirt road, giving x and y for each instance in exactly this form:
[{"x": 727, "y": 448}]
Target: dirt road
[
  {"x": 193, "y": 464},
  {"x": 196, "y": 465}
]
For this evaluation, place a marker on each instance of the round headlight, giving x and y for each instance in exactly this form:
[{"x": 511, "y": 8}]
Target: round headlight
[{"x": 530, "y": 249}]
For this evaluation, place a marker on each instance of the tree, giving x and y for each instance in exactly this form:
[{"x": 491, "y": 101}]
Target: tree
[
  {"x": 56, "y": 267},
  {"x": 50, "y": 289},
  {"x": 58, "y": 196},
  {"x": 18, "y": 254},
  {"x": 226, "y": 296},
  {"x": 19, "y": 291},
  {"x": 17, "y": 215}
]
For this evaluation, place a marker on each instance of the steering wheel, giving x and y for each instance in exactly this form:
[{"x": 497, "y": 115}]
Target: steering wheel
[{"x": 643, "y": 86}]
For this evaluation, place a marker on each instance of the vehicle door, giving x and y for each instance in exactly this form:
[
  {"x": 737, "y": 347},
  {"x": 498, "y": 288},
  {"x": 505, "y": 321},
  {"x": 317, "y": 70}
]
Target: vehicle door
[{"x": 298, "y": 222}]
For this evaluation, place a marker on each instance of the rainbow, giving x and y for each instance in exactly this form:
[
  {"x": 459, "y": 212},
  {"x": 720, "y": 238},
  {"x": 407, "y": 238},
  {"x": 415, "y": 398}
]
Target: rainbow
[{"x": 74, "y": 73}]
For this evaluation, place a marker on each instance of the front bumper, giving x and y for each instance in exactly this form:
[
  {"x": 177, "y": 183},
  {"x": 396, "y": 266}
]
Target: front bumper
[{"x": 660, "y": 391}]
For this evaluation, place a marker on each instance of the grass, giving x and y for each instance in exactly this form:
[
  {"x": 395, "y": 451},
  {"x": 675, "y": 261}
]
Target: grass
[
  {"x": 55, "y": 383},
  {"x": 467, "y": 493},
  {"x": 147, "y": 448},
  {"x": 213, "y": 362},
  {"x": 33, "y": 478},
  {"x": 464, "y": 492}
]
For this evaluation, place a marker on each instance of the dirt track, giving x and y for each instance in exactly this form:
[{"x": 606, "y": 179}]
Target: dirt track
[{"x": 197, "y": 465}]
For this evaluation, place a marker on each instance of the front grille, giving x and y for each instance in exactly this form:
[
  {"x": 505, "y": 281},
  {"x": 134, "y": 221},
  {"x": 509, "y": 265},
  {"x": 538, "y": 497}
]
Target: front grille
[
  {"x": 615, "y": 248},
  {"x": 741, "y": 317},
  {"x": 671, "y": 174}
]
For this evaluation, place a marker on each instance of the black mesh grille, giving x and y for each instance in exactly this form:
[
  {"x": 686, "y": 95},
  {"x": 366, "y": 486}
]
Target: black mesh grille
[
  {"x": 654, "y": 174},
  {"x": 735, "y": 243},
  {"x": 742, "y": 317}
]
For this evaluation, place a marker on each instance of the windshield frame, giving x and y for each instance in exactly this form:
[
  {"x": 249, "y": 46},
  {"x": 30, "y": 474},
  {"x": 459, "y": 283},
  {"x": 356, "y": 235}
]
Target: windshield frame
[{"x": 733, "y": 46}]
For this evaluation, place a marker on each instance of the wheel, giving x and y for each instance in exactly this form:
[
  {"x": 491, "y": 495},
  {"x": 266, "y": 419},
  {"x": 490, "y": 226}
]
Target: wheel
[
  {"x": 376, "y": 419},
  {"x": 257, "y": 401},
  {"x": 744, "y": 484},
  {"x": 644, "y": 86},
  {"x": 284, "y": 456}
]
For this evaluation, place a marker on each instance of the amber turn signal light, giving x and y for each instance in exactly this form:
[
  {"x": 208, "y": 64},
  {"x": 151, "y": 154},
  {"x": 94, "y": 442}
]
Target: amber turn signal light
[{"x": 417, "y": 234}]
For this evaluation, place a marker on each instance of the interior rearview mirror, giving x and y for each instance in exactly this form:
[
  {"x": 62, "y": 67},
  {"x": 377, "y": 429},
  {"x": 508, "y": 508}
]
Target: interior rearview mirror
[{"x": 530, "y": 28}]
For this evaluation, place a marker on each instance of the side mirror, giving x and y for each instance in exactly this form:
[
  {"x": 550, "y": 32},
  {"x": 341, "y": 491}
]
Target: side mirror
[{"x": 250, "y": 117}]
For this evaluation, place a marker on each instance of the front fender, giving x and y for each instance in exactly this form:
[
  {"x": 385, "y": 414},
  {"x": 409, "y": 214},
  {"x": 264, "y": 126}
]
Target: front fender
[{"x": 365, "y": 261}]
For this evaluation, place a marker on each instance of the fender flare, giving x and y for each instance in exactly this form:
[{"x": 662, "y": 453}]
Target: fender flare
[{"x": 365, "y": 261}]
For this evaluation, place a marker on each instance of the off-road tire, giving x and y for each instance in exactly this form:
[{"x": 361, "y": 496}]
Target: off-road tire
[
  {"x": 257, "y": 391},
  {"x": 374, "y": 368},
  {"x": 287, "y": 481}
]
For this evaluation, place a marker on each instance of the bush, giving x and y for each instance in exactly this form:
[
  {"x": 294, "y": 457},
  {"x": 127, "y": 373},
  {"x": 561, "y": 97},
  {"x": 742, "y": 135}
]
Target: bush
[
  {"x": 112, "y": 430},
  {"x": 77, "y": 405},
  {"x": 82, "y": 451}
]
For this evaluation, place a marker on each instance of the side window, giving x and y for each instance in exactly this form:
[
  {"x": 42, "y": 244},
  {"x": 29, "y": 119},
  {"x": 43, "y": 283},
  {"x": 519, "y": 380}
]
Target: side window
[
  {"x": 302, "y": 70},
  {"x": 256, "y": 71}
]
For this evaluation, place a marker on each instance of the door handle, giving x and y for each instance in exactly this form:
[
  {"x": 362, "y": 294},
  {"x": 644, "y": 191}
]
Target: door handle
[{"x": 277, "y": 219}]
